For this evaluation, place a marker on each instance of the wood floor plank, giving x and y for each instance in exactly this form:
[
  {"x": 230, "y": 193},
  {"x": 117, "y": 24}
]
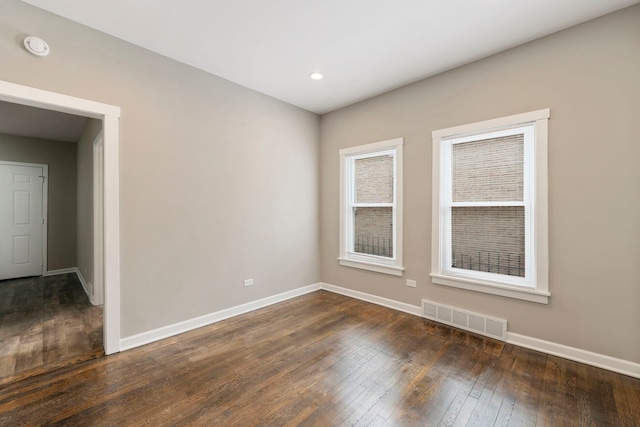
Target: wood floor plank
[
  {"x": 475, "y": 381},
  {"x": 486, "y": 408},
  {"x": 8, "y": 350},
  {"x": 609, "y": 412},
  {"x": 323, "y": 360},
  {"x": 53, "y": 322}
]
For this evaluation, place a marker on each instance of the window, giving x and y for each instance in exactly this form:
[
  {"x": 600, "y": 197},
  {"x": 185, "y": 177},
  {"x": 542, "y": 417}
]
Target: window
[
  {"x": 490, "y": 207},
  {"x": 371, "y": 207}
]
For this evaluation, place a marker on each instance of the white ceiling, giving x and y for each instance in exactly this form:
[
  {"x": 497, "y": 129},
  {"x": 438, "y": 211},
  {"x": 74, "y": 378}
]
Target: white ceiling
[
  {"x": 363, "y": 47},
  {"x": 23, "y": 120}
]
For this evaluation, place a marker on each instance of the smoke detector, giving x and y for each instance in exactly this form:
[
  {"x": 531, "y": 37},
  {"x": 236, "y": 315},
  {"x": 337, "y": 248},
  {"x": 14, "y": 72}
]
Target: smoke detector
[{"x": 36, "y": 46}]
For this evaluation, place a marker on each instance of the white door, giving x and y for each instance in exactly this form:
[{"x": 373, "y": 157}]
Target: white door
[{"x": 21, "y": 220}]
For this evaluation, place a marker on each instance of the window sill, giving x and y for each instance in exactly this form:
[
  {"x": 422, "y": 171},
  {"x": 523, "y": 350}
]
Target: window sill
[
  {"x": 378, "y": 268},
  {"x": 490, "y": 288}
]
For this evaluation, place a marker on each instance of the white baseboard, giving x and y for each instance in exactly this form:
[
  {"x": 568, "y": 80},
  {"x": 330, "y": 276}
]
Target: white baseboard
[
  {"x": 609, "y": 363},
  {"x": 621, "y": 366},
  {"x": 75, "y": 270},
  {"x": 85, "y": 285},
  {"x": 198, "y": 322},
  {"x": 61, "y": 271},
  {"x": 385, "y": 302}
]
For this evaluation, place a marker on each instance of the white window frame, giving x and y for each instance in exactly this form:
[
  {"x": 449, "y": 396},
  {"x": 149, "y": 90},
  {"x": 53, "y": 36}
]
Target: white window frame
[
  {"x": 348, "y": 257},
  {"x": 535, "y": 285}
]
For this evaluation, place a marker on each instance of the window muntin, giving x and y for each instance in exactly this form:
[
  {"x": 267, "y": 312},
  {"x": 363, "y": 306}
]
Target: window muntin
[
  {"x": 370, "y": 214},
  {"x": 490, "y": 217}
]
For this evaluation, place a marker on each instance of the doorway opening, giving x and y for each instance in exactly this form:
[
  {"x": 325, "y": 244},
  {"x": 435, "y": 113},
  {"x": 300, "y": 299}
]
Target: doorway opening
[{"x": 106, "y": 215}]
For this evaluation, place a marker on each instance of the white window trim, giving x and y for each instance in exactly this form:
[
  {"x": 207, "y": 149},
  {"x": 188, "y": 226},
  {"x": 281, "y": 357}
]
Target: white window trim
[
  {"x": 538, "y": 291},
  {"x": 348, "y": 258}
]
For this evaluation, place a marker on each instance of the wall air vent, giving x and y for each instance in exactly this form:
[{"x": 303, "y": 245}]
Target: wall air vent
[{"x": 467, "y": 320}]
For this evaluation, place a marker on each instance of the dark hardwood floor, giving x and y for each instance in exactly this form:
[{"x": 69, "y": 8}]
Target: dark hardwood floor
[
  {"x": 324, "y": 360},
  {"x": 46, "y": 322}
]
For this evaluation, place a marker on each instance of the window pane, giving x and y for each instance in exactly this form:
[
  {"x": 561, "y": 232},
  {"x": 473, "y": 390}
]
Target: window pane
[
  {"x": 488, "y": 239},
  {"x": 373, "y": 231},
  {"x": 374, "y": 179},
  {"x": 488, "y": 170}
]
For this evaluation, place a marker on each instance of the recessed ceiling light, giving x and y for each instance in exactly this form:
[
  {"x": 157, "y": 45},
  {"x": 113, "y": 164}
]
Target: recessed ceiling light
[{"x": 316, "y": 76}]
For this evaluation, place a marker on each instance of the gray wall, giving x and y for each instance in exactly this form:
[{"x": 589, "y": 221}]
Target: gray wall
[
  {"x": 218, "y": 182},
  {"x": 588, "y": 77},
  {"x": 85, "y": 201},
  {"x": 61, "y": 158}
]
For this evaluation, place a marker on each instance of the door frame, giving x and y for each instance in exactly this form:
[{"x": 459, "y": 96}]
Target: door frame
[
  {"x": 45, "y": 205},
  {"x": 98, "y": 219},
  {"x": 110, "y": 115}
]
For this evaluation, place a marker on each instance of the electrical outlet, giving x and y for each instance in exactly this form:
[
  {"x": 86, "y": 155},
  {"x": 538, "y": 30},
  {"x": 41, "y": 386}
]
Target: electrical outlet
[
  {"x": 248, "y": 282},
  {"x": 411, "y": 283}
]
